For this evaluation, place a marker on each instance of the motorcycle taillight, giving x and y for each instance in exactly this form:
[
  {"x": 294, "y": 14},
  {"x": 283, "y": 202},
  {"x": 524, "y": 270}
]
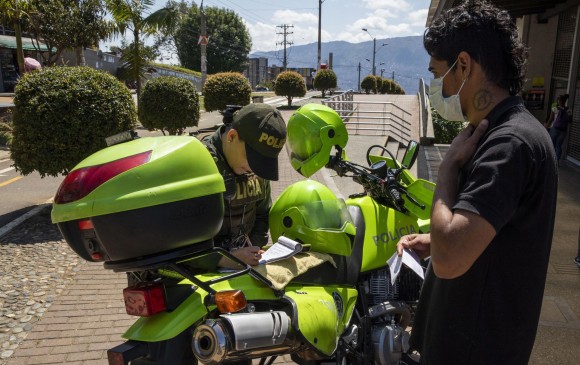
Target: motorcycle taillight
[
  {"x": 81, "y": 182},
  {"x": 144, "y": 299}
]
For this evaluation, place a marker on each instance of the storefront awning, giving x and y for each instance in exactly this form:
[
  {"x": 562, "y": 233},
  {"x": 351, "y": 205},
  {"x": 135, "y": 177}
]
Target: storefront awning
[{"x": 7, "y": 41}]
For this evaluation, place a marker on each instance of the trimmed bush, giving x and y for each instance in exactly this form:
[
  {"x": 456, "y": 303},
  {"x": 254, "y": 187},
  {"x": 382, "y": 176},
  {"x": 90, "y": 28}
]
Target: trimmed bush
[
  {"x": 369, "y": 84},
  {"x": 444, "y": 130},
  {"x": 64, "y": 114},
  {"x": 379, "y": 84},
  {"x": 324, "y": 80},
  {"x": 170, "y": 104},
  {"x": 290, "y": 84},
  {"x": 226, "y": 88}
]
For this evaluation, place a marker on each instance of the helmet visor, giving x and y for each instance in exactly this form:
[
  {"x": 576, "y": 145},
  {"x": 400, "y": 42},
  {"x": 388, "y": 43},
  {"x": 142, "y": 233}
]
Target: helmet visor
[{"x": 326, "y": 214}]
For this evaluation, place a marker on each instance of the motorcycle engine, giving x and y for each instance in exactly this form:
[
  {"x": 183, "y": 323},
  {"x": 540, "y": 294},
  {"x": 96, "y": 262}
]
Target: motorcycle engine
[{"x": 389, "y": 344}]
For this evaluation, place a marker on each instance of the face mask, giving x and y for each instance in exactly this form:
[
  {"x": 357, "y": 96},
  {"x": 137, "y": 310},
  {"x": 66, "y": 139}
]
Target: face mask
[{"x": 449, "y": 108}]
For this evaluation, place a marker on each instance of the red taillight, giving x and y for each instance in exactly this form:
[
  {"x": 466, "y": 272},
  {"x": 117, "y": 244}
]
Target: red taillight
[
  {"x": 81, "y": 182},
  {"x": 85, "y": 224},
  {"x": 145, "y": 299}
]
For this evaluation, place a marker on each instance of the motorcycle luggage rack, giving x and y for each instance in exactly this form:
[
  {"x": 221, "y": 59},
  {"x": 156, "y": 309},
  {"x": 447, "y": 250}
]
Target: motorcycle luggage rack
[{"x": 170, "y": 259}]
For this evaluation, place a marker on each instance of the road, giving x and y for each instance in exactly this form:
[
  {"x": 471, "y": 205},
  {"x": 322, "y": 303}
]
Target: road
[{"x": 20, "y": 194}]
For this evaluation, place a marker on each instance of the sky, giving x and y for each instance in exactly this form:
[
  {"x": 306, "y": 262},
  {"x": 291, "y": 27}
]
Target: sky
[{"x": 341, "y": 19}]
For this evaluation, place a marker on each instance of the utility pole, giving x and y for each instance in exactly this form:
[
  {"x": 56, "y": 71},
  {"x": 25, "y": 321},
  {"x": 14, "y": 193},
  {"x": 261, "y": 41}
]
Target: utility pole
[
  {"x": 393, "y": 75},
  {"x": 285, "y": 33},
  {"x": 203, "y": 44},
  {"x": 319, "y": 32},
  {"x": 359, "y": 67}
]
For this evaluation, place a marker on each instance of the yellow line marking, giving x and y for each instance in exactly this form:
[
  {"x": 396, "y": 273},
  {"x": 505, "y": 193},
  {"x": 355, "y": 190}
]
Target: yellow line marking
[{"x": 10, "y": 181}]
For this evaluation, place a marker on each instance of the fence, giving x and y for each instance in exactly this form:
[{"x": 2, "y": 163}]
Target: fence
[{"x": 373, "y": 118}]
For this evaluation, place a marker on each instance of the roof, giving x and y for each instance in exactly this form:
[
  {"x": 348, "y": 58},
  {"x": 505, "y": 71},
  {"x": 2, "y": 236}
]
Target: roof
[
  {"x": 7, "y": 41},
  {"x": 544, "y": 8}
]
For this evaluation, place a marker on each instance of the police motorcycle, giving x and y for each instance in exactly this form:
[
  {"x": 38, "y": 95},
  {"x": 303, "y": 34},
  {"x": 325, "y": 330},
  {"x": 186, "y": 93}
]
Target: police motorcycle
[{"x": 150, "y": 207}]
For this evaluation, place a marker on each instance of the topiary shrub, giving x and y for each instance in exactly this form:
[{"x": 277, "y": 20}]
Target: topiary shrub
[
  {"x": 290, "y": 84},
  {"x": 324, "y": 80},
  {"x": 64, "y": 114},
  {"x": 444, "y": 130},
  {"x": 6, "y": 129},
  {"x": 170, "y": 104},
  {"x": 369, "y": 84},
  {"x": 379, "y": 84},
  {"x": 226, "y": 88}
]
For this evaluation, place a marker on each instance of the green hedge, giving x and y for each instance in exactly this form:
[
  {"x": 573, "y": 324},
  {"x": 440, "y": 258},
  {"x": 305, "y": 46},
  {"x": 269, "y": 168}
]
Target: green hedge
[
  {"x": 170, "y": 104},
  {"x": 226, "y": 88},
  {"x": 64, "y": 114},
  {"x": 369, "y": 84}
]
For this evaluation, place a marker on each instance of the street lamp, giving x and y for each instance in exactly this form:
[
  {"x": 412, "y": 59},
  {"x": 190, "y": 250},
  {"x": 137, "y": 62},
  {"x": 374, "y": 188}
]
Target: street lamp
[{"x": 374, "y": 49}]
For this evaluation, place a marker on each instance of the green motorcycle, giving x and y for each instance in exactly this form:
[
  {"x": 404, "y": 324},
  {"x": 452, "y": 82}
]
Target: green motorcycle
[{"x": 151, "y": 206}]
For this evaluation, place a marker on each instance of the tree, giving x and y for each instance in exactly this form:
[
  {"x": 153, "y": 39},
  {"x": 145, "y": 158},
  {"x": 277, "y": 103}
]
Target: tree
[
  {"x": 290, "y": 84},
  {"x": 324, "y": 80},
  {"x": 444, "y": 130},
  {"x": 67, "y": 24},
  {"x": 133, "y": 16},
  {"x": 369, "y": 84},
  {"x": 379, "y": 85},
  {"x": 229, "y": 41},
  {"x": 13, "y": 12}
]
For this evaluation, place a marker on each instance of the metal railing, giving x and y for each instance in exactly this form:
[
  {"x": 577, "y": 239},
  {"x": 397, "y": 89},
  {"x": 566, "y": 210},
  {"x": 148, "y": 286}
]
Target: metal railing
[
  {"x": 374, "y": 118},
  {"x": 342, "y": 103},
  {"x": 427, "y": 135}
]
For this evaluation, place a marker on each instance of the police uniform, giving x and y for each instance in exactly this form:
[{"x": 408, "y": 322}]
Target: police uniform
[{"x": 247, "y": 201}]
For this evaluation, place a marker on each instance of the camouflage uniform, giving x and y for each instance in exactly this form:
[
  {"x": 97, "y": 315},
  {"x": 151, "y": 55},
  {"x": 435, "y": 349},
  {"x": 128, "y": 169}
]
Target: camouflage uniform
[{"x": 247, "y": 202}]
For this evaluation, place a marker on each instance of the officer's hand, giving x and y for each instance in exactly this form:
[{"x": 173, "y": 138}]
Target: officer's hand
[
  {"x": 250, "y": 255},
  {"x": 420, "y": 243}
]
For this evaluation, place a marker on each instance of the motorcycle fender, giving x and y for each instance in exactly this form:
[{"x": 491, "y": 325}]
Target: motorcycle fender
[
  {"x": 167, "y": 325},
  {"x": 321, "y": 314}
]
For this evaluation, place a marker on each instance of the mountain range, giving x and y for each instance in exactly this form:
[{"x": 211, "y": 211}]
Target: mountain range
[{"x": 403, "y": 57}]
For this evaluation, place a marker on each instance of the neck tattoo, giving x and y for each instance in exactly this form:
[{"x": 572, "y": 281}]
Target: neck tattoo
[{"x": 482, "y": 100}]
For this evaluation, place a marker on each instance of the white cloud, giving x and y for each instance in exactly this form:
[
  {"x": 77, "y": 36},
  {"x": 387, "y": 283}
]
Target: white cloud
[
  {"x": 397, "y": 5},
  {"x": 294, "y": 17},
  {"x": 418, "y": 18}
]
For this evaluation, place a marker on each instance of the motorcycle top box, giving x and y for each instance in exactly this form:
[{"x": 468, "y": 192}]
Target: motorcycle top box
[{"x": 143, "y": 198}]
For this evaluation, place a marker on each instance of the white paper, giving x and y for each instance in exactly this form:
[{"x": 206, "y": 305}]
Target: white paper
[
  {"x": 410, "y": 259},
  {"x": 285, "y": 247}
]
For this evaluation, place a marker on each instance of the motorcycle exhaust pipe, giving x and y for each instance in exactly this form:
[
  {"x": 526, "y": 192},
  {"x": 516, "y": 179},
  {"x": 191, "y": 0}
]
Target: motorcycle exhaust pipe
[{"x": 217, "y": 340}]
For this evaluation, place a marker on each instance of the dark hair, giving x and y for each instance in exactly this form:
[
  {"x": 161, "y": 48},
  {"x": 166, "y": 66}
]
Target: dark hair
[
  {"x": 563, "y": 98},
  {"x": 488, "y": 34}
]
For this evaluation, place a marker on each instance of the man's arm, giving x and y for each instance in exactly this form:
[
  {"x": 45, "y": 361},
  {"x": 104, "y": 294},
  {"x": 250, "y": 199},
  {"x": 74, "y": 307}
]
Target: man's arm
[{"x": 457, "y": 237}]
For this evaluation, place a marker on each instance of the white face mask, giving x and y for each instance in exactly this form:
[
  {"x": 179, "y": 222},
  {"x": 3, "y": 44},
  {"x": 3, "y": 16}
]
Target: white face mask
[{"x": 449, "y": 108}]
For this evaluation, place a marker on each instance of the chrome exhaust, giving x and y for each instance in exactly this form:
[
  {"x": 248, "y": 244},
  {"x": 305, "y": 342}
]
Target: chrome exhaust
[{"x": 223, "y": 338}]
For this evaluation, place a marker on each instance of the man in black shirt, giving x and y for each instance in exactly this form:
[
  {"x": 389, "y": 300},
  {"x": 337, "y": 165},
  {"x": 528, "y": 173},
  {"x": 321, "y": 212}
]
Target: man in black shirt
[{"x": 494, "y": 205}]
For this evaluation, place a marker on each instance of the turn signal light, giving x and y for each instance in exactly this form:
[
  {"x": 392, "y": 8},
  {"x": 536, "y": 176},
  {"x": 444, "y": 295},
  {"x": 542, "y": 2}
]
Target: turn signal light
[
  {"x": 144, "y": 299},
  {"x": 230, "y": 301}
]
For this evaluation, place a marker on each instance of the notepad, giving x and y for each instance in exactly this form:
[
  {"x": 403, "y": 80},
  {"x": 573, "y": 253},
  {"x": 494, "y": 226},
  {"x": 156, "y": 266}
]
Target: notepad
[{"x": 284, "y": 248}]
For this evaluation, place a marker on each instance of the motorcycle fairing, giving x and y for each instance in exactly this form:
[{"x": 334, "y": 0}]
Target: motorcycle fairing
[
  {"x": 384, "y": 227},
  {"x": 321, "y": 313},
  {"x": 167, "y": 325}
]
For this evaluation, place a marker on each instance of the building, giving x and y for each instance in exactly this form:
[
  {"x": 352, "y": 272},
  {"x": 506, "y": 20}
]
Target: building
[
  {"x": 551, "y": 31},
  {"x": 257, "y": 71}
]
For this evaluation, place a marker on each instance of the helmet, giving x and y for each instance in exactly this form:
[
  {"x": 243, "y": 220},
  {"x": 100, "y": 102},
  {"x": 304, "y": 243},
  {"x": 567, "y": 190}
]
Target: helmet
[
  {"x": 313, "y": 130},
  {"x": 309, "y": 212}
]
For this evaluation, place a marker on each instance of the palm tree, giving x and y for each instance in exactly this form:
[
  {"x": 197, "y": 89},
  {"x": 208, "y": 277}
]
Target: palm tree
[
  {"x": 134, "y": 16},
  {"x": 13, "y": 12}
]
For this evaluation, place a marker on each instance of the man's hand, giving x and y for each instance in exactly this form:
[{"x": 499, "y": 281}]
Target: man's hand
[
  {"x": 463, "y": 146},
  {"x": 420, "y": 243},
  {"x": 250, "y": 255}
]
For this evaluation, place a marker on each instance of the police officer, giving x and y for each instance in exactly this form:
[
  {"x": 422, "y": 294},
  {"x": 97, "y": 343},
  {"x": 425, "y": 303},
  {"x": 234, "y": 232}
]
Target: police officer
[{"x": 246, "y": 150}]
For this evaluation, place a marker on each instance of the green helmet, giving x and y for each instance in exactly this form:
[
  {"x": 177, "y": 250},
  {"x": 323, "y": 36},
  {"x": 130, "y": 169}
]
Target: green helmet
[
  {"x": 309, "y": 212},
  {"x": 312, "y": 132}
]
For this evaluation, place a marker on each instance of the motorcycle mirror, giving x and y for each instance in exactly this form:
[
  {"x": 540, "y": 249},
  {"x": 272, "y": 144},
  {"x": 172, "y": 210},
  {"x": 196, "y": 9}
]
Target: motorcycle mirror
[{"x": 410, "y": 154}]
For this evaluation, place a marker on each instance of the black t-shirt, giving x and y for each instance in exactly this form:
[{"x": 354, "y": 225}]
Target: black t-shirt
[{"x": 490, "y": 314}]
